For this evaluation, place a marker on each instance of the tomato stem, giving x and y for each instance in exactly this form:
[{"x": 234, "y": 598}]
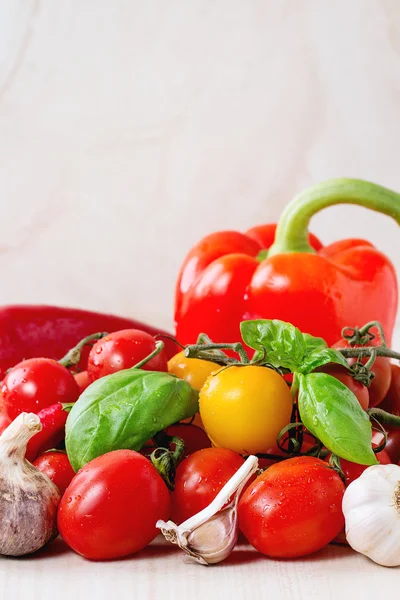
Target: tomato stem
[
  {"x": 366, "y": 351},
  {"x": 157, "y": 350},
  {"x": 362, "y": 336},
  {"x": 73, "y": 356},
  {"x": 384, "y": 417},
  {"x": 206, "y": 352},
  {"x": 164, "y": 459}
]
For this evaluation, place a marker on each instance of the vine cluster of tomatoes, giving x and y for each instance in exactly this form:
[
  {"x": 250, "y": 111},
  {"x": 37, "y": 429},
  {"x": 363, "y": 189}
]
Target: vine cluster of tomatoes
[{"x": 121, "y": 495}]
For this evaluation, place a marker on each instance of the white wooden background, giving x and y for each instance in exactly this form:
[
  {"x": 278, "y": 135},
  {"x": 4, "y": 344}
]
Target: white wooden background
[{"x": 128, "y": 130}]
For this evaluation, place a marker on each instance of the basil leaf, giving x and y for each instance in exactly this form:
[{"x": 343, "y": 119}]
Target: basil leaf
[
  {"x": 282, "y": 344},
  {"x": 124, "y": 410},
  {"x": 332, "y": 413}
]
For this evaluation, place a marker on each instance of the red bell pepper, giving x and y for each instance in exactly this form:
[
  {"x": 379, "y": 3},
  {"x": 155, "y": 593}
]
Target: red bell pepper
[
  {"x": 229, "y": 276},
  {"x": 50, "y": 331}
]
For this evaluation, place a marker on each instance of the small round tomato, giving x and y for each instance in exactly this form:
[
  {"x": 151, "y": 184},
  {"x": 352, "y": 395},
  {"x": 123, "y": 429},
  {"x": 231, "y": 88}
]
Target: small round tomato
[
  {"x": 111, "y": 506},
  {"x": 36, "y": 383},
  {"x": 293, "y": 508},
  {"x": 57, "y": 467},
  {"x": 123, "y": 350},
  {"x": 193, "y": 370},
  {"x": 352, "y": 471},
  {"x": 382, "y": 374},
  {"x": 391, "y": 402},
  {"x": 83, "y": 380},
  {"x": 199, "y": 478},
  {"x": 244, "y": 408},
  {"x": 359, "y": 390},
  {"x": 194, "y": 438}
]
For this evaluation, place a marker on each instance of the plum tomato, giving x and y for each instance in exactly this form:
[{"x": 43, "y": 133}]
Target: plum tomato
[
  {"x": 199, "y": 478},
  {"x": 382, "y": 374},
  {"x": 293, "y": 508},
  {"x": 359, "y": 390},
  {"x": 56, "y": 466},
  {"x": 391, "y": 402},
  {"x": 244, "y": 408},
  {"x": 36, "y": 383},
  {"x": 111, "y": 506},
  {"x": 123, "y": 350}
]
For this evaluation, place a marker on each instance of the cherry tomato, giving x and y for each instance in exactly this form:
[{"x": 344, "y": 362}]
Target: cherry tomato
[
  {"x": 382, "y": 374},
  {"x": 293, "y": 508},
  {"x": 392, "y": 447},
  {"x": 36, "y": 383},
  {"x": 193, "y": 370},
  {"x": 195, "y": 438},
  {"x": 199, "y": 478},
  {"x": 244, "y": 408},
  {"x": 83, "y": 380},
  {"x": 391, "y": 402},
  {"x": 353, "y": 470},
  {"x": 57, "y": 468},
  {"x": 123, "y": 350},
  {"x": 359, "y": 390},
  {"x": 111, "y": 506}
]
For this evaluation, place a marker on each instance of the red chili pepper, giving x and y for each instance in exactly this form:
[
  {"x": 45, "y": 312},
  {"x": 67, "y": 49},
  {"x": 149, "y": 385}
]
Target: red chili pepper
[
  {"x": 53, "y": 419},
  {"x": 229, "y": 277},
  {"x": 50, "y": 331}
]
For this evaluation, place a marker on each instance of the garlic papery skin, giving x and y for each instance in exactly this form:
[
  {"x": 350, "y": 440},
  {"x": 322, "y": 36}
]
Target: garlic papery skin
[
  {"x": 210, "y": 535},
  {"x": 28, "y": 499},
  {"x": 371, "y": 508}
]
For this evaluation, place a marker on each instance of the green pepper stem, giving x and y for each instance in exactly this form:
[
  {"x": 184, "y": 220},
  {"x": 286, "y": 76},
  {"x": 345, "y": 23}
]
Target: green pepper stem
[
  {"x": 157, "y": 350},
  {"x": 292, "y": 231},
  {"x": 73, "y": 356}
]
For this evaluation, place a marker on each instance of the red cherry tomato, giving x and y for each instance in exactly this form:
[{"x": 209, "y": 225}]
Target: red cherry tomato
[
  {"x": 83, "y": 380},
  {"x": 382, "y": 374},
  {"x": 293, "y": 508},
  {"x": 353, "y": 470},
  {"x": 194, "y": 438},
  {"x": 57, "y": 468},
  {"x": 199, "y": 478},
  {"x": 36, "y": 383},
  {"x": 391, "y": 403},
  {"x": 392, "y": 447},
  {"x": 111, "y": 506},
  {"x": 123, "y": 350},
  {"x": 359, "y": 390}
]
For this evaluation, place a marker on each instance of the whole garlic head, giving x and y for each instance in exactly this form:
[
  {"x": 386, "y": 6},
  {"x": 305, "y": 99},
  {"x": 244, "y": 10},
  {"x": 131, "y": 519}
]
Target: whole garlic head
[
  {"x": 210, "y": 535},
  {"x": 371, "y": 507}
]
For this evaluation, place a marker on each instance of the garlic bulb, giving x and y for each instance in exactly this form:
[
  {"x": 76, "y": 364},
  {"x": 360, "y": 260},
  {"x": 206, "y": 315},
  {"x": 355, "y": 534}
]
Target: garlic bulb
[
  {"x": 28, "y": 499},
  {"x": 371, "y": 507},
  {"x": 210, "y": 536}
]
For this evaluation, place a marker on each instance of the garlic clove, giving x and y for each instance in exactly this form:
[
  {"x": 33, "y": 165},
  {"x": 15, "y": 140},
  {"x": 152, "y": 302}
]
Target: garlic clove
[
  {"x": 28, "y": 499},
  {"x": 210, "y": 536},
  {"x": 371, "y": 507}
]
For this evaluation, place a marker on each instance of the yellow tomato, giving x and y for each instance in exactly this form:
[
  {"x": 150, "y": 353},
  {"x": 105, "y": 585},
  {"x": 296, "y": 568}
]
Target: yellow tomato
[
  {"x": 244, "y": 408},
  {"x": 193, "y": 370}
]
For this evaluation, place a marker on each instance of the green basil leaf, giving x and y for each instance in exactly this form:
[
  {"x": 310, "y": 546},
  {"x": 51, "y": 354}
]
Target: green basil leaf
[
  {"x": 124, "y": 410},
  {"x": 282, "y": 344},
  {"x": 321, "y": 357},
  {"x": 332, "y": 413}
]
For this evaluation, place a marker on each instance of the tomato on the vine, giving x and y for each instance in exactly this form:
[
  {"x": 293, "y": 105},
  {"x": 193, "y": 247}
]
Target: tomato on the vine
[
  {"x": 36, "y": 383},
  {"x": 359, "y": 390},
  {"x": 123, "y": 350},
  {"x": 293, "y": 508},
  {"x": 244, "y": 408},
  {"x": 56, "y": 466},
  {"x": 111, "y": 506},
  {"x": 381, "y": 369},
  {"x": 199, "y": 478}
]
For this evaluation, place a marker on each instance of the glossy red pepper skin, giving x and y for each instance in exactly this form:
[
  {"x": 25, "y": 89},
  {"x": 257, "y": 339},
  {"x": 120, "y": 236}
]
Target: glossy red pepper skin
[
  {"x": 50, "y": 331},
  {"x": 225, "y": 280},
  {"x": 53, "y": 419}
]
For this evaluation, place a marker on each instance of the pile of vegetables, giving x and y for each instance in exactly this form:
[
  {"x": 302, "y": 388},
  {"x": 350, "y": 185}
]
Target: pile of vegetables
[{"x": 286, "y": 430}]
